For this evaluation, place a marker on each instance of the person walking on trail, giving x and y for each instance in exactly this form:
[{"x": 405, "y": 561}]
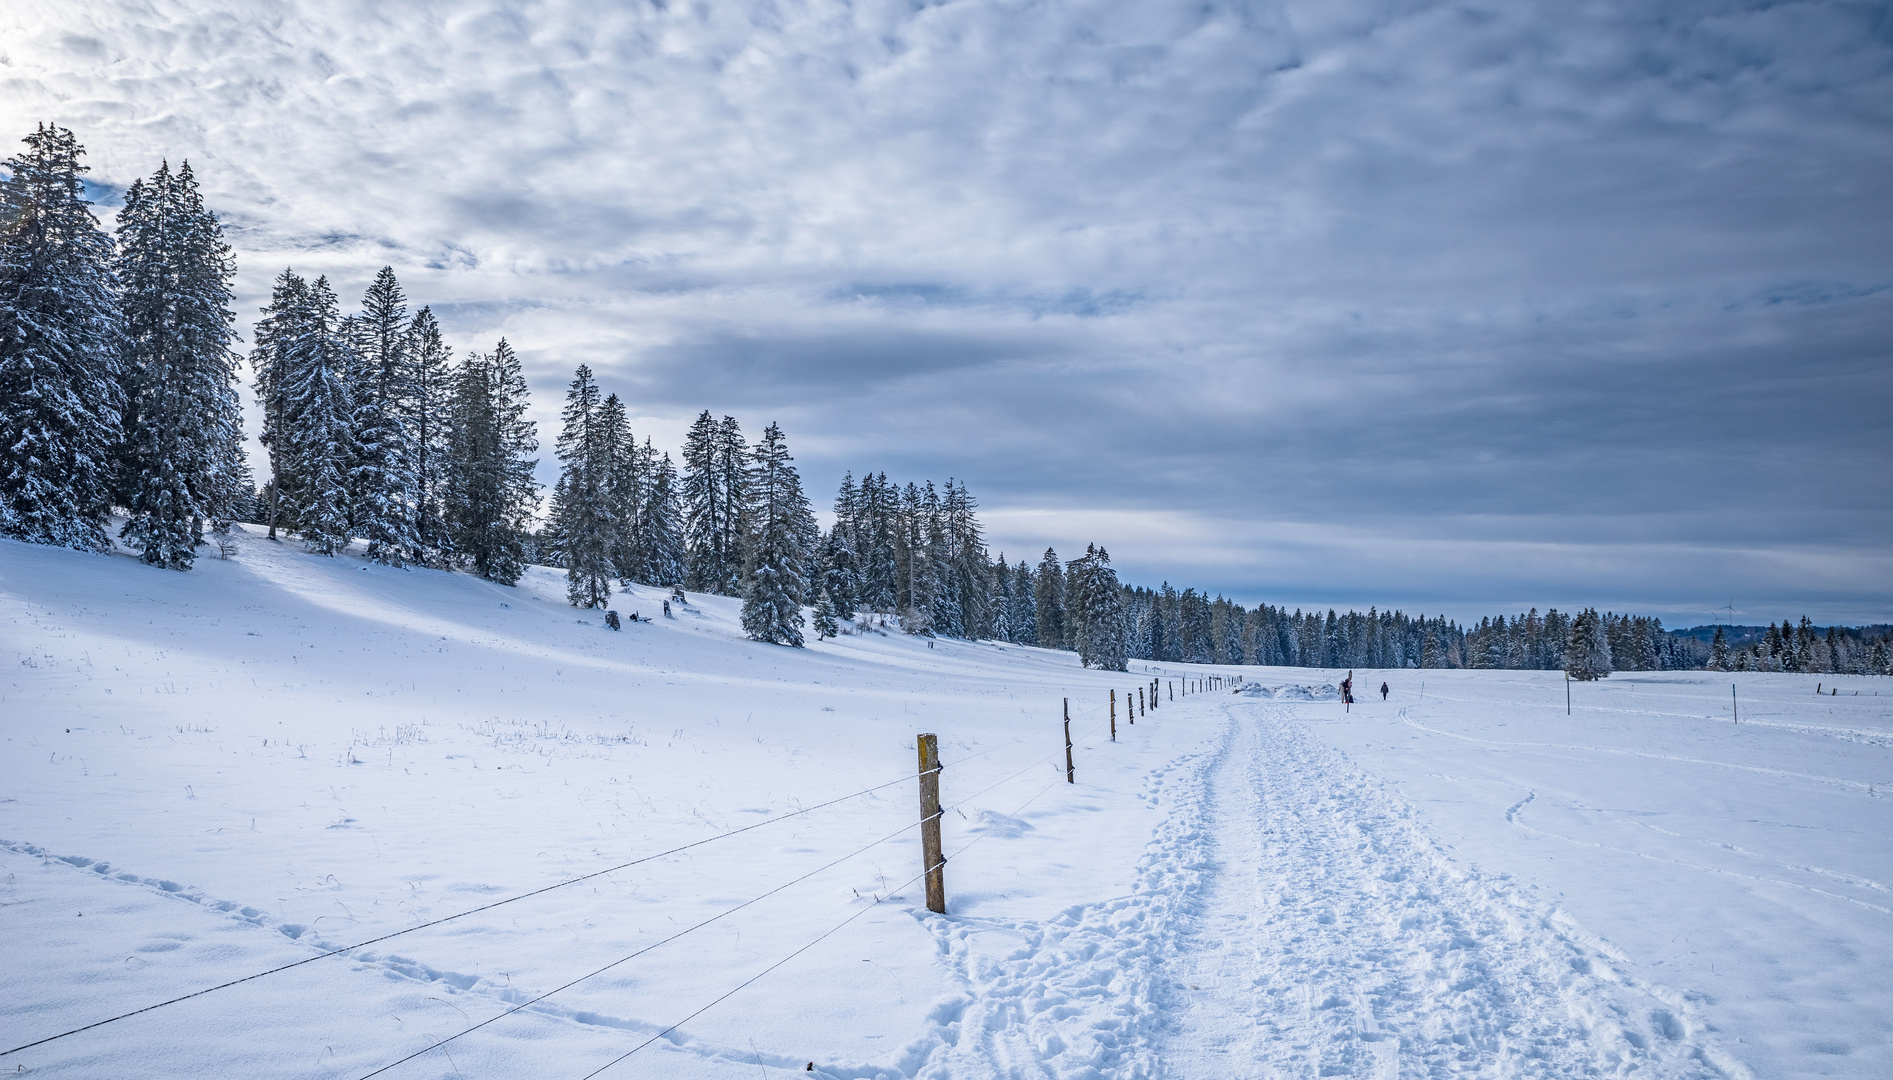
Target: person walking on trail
[
  {"x": 1383, "y": 691},
  {"x": 1347, "y": 689}
]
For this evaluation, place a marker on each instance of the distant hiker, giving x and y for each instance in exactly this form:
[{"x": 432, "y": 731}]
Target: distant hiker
[
  {"x": 667, "y": 609},
  {"x": 611, "y": 620},
  {"x": 1383, "y": 691},
  {"x": 1347, "y": 689}
]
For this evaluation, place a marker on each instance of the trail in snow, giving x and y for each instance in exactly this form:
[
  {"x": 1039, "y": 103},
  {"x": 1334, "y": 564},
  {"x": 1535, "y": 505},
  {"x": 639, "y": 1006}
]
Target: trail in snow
[
  {"x": 1333, "y": 938},
  {"x": 1291, "y": 920}
]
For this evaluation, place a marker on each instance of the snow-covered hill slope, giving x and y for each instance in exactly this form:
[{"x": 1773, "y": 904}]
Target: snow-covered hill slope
[{"x": 210, "y": 775}]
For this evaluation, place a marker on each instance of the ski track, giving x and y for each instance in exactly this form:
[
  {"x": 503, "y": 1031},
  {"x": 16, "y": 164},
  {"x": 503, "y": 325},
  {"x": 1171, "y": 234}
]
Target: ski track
[{"x": 1291, "y": 919}]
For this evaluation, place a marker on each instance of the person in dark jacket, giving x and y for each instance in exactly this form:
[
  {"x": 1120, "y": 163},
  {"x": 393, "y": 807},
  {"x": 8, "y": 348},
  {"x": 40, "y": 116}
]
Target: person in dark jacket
[{"x": 1383, "y": 691}]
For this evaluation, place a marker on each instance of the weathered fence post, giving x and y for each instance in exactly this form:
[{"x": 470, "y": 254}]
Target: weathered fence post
[
  {"x": 930, "y": 823},
  {"x": 1113, "y": 716},
  {"x": 1071, "y": 771}
]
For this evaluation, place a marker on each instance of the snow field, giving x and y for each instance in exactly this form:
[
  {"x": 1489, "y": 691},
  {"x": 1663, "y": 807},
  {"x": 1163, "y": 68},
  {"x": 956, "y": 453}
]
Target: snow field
[
  {"x": 281, "y": 754},
  {"x": 342, "y": 750}
]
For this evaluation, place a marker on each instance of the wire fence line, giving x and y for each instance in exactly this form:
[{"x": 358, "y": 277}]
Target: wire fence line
[
  {"x": 831, "y": 931},
  {"x": 879, "y": 899},
  {"x": 459, "y": 915}
]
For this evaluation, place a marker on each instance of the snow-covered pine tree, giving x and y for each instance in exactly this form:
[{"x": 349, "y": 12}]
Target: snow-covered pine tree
[
  {"x": 1049, "y": 600},
  {"x": 733, "y": 470},
  {"x": 183, "y": 417},
  {"x": 999, "y": 598},
  {"x": 1025, "y": 622},
  {"x": 702, "y": 497},
  {"x": 61, "y": 351},
  {"x": 966, "y": 568},
  {"x": 585, "y": 527},
  {"x": 275, "y": 335},
  {"x": 381, "y": 472},
  {"x": 825, "y": 626},
  {"x": 877, "y": 544},
  {"x": 1587, "y": 656},
  {"x": 775, "y": 565},
  {"x": 663, "y": 518},
  {"x": 491, "y": 494},
  {"x": 1096, "y": 611},
  {"x": 427, "y": 416},
  {"x": 620, "y": 484},
  {"x": 841, "y": 580},
  {"x": 316, "y": 420}
]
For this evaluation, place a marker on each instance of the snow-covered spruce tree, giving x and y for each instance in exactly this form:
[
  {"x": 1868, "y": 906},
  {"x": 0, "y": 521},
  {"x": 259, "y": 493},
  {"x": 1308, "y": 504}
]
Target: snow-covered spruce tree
[
  {"x": 825, "y": 626},
  {"x": 618, "y": 484},
  {"x": 1096, "y": 611},
  {"x": 584, "y": 523},
  {"x": 1719, "y": 652},
  {"x": 491, "y": 494},
  {"x": 316, "y": 420},
  {"x": 840, "y": 563},
  {"x": 1025, "y": 627},
  {"x": 702, "y": 497},
  {"x": 663, "y": 524},
  {"x": 999, "y": 598},
  {"x": 964, "y": 562},
  {"x": 427, "y": 415},
  {"x": 734, "y": 464},
  {"x": 877, "y": 544},
  {"x": 182, "y": 414},
  {"x": 775, "y": 565},
  {"x": 1587, "y": 656},
  {"x": 275, "y": 335},
  {"x": 61, "y": 351},
  {"x": 381, "y": 470},
  {"x": 1049, "y": 599}
]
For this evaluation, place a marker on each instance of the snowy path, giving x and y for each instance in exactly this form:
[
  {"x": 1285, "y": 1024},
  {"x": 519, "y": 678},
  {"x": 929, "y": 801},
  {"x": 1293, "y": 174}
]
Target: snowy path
[
  {"x": 1333, "y": 938},
  {"x": 1291, "y": 919}
]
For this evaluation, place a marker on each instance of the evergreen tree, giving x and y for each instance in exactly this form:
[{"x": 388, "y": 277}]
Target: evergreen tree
[
  {"x": 1096, "y": 611},
  {"x": 1587, "y": 656},
  {"x": 584, "y": 521},
  {"x": 877, "y": 545},
  {"x": 428, "y": 419},
  {"x": 491, "y": 494},
  {"x": 703, "y": 496},
  {"x": 183, "y": 439},
  {"x": 381, "y": 474},
  {"x": 825, "y": 626},
  {"x": 1049, "y": 599},
  {"x": 1719, "y": 651},
  {"x": 663, "y": 525},
  {"x": 775, "y": 563},
  {"x": 61, "y": 351},
  {"x": 276, "y": 334},
  {"x": 621, "y": 484},
  {"x": 1025, "y": 623},
  {"x": 316, "y": 420}
]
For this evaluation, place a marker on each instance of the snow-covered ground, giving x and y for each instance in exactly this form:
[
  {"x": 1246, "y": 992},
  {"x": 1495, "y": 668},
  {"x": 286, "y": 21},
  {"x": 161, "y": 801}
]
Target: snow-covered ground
[{"x": 211, "y": 775}]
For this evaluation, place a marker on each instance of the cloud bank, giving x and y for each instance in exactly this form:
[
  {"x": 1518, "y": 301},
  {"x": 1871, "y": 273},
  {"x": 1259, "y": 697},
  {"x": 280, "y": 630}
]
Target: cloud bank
[{"x": 1457, "y": 307}]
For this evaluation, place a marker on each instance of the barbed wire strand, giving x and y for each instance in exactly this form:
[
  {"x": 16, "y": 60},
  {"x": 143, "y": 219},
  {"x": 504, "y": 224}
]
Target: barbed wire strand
[
  {"x": 656, "y": 944},
  {"x": 460, "y": 915}
]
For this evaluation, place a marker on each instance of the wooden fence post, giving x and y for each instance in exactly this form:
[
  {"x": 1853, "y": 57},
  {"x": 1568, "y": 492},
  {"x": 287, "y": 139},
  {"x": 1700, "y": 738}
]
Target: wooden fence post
[
  {"x": 930, "y": 823},
  {"x": 1071, "y": 771},
  {"x": 1113, "y": 716}
]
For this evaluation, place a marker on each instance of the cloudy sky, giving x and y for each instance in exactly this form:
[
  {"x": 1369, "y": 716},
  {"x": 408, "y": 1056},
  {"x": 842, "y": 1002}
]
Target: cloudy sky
[{"x": 1457, "y": 307}]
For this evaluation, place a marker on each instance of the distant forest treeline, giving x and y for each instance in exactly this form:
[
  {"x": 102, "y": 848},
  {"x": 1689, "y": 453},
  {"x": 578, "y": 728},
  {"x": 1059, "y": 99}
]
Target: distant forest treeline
[{"x": 118, "y": 392}]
